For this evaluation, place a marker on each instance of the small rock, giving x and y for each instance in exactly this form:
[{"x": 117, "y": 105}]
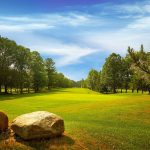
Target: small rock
[
  {"x": 40, "y": 124},
  {"x": 3, "y": 122}
]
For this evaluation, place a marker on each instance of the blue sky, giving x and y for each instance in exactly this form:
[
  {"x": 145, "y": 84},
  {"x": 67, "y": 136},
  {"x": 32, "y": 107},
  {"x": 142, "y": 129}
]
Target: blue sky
[{"x": 77, "y": 34}]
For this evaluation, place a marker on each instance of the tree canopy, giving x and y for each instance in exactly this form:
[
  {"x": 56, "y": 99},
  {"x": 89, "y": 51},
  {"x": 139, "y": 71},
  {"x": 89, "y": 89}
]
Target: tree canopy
[
  {"x": 129, "y": 72},
  {"x": 22, "y": 68}
]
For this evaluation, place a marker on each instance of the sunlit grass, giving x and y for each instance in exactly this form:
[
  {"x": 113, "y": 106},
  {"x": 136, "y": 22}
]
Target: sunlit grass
[{"x": 92, "y": 120}]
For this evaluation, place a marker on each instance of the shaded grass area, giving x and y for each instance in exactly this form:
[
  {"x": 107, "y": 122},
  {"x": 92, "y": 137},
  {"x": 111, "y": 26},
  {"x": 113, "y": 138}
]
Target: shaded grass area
[
  {"x": 92, "y": 120},
  {"x": 10, "y": 141}
]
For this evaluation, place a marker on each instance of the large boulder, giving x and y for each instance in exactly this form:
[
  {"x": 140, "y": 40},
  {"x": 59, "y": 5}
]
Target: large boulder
[
  {"x": 40, "y": 124},
  {"x": 3, "y": 122}
]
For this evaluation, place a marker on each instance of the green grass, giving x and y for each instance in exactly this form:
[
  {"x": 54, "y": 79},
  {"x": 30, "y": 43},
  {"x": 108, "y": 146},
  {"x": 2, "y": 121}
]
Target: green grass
[{"x": 92, "y": 120}]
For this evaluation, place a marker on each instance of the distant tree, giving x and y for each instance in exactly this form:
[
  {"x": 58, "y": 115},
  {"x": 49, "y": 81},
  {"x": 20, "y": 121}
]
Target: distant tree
[
  {"x": 50, "y": 69},
  {"x": 21, "y": 69},
  {"x": 22, "y": 59},
  {"x": 63, "y": 82},
  {"x": 7, "y": 53},
  {"x": 111, "y": 72},
  {"x": 39, "y": 75},
  {"x": 93, "y": 80},
  {"x": 125, "y": 73},
  {"x": 82, "y": 83},
  {"x": 141, "y": 67}
]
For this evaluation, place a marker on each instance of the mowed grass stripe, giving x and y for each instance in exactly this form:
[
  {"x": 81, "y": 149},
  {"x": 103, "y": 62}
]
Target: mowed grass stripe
[{"x": 92, "y": 120}]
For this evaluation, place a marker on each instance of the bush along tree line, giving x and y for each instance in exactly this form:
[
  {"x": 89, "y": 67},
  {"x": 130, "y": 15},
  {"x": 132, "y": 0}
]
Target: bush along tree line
[
  {"x": 23, "y": 70},
  {"x": 118, "y": 73}
]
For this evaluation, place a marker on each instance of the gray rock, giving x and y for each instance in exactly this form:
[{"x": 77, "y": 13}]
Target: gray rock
[{"x": 40, "y": 124}]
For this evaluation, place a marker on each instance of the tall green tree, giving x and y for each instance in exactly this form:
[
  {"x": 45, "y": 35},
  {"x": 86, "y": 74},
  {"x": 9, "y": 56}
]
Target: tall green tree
[
  {"x": 126, "y": 73},
  {"x": 50, "y": 69},
  {"x": 21, "y": 69},
  {"x": 93, "y": 80},
  {"x": 111, "y": 72},
  {"x": 39, "y": 75},
  {"x": 141, "y": 59},
  {"x": 141, "y": 64},
  {"x": 7, "y": 53},
  {"x": 22, "y": 57}
]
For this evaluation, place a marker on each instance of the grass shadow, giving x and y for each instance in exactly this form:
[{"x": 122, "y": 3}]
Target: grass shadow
[
  {"x": 9, "y": 141},
  {"x": 5, "y": 135},
  {"x": 61, "y": 142},
  {"x": 4, "y": 97}
]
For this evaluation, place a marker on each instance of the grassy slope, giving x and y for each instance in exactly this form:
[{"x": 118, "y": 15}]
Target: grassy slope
[{"x": 92, "y": 120}]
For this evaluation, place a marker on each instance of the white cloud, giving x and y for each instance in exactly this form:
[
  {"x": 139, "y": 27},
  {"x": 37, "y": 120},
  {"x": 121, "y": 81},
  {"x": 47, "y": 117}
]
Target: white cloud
[
  {"x": 142, "y": 7},
  {"x": 16, "y": 27},
  {"x": 22, "y": 28},
  {"x": 83, "y": 34},
  {"x": 147, "y": 8},
  {"x": 142, "y": 23},
  {"x": 42, "y": 21},
  {"x": 126, "y": 8},
  {"x": 68, "y": 53},
  {"x": 118, "y": 41}
]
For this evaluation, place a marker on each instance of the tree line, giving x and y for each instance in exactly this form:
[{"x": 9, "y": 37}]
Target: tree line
[
  {"x": 23, "y": 70},
  {"x": 118, "y": 73}
]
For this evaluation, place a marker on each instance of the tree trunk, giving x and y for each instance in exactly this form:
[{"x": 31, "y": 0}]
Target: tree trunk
[
  {"x": 6, "y": 92},
  {"x": 132, "y": 90},
  {"x": 121, "y": 90},
  {"x": 36, "y": 89},
  {"x": 0, "y": 89},
  {"x": 49, "y": 88},
  {"x": 11, "y": 90},
  {"x": 126, "y": 90},
  {"x": 114, "y": 90},
  {"x": 21, "y": 90},
  {"x": 137, "y": 90}
]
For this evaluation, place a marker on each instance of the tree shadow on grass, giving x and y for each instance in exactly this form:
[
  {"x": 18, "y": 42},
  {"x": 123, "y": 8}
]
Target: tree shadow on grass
[
  {"x": 9, "y": 141},
  {"x": 62, "y": 142},
  {"x": 4, "y": 97}
]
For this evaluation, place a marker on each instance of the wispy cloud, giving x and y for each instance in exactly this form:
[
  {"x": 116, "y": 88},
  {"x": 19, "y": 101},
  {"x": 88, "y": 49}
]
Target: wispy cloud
[
  {"x": 23, "y": 27},
  {"x": 42, "y": 21},
  {"x": 54, "y": 25},
  {"x": 67, "y": 53},
  {"x": 140, "y": 24}
]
